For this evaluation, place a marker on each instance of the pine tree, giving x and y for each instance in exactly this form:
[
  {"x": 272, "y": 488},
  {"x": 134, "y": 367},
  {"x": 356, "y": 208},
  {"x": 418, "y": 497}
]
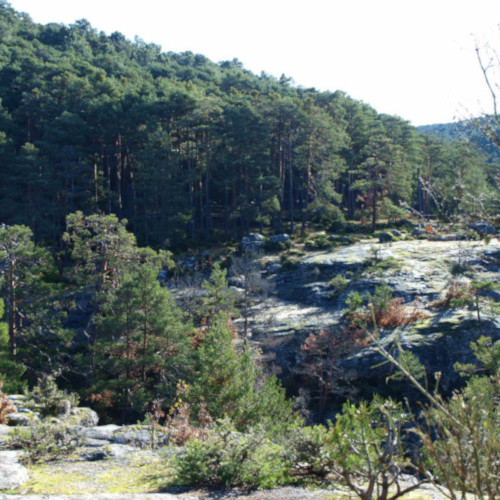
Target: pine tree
[
  {"x": 143, "y": 345},
  {"x": 229, "y": 383}
]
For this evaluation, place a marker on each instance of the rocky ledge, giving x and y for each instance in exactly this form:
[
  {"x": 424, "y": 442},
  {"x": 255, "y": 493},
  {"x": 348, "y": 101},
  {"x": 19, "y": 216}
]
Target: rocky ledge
[{"x": 420, "y": 272}]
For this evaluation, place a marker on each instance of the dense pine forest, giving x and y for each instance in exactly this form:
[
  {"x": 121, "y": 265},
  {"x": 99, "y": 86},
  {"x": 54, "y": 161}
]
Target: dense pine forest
[
  {"x": 189, "y": 150},
  {"x": 117, "y": 160}
]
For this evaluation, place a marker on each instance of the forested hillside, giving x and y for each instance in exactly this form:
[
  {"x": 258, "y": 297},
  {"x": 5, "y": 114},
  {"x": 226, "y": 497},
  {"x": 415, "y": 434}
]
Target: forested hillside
[
  {"x": 186, "y": 149},
  {"x": 132, "y": 182},
  {"x": 468, "y": 130}
]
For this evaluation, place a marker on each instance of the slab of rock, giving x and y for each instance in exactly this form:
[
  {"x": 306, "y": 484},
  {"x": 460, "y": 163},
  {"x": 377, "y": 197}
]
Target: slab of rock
[
  {"x": 102, "y": 433},
  {"x": 17, "y": 399},
  {"x": 422, "y": 272},
  {"x": 140, "y": 437}
]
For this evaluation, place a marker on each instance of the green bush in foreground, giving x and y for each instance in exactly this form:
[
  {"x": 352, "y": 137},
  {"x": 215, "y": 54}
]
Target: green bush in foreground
[
  {"x": 368, "y": 449},
  {"x": 227, "y": 457},
  {"x": 461, "y": 446}
]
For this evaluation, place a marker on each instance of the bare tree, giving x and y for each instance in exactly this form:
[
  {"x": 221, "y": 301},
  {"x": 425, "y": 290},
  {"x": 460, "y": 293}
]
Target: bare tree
[{"x": 247, "y": 270}]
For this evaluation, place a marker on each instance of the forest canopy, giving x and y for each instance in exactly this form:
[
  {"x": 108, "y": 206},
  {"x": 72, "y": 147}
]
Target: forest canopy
[{"x": 189, "y": 150}]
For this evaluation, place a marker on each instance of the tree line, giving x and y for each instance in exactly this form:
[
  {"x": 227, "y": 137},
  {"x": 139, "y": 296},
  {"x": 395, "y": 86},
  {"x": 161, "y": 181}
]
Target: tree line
[{"x": 188, "y": 150}]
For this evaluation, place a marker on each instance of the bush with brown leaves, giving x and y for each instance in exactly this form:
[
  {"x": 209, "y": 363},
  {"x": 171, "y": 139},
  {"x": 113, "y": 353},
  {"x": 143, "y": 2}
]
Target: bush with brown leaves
[
  {"x": 6, "y": 406},
  {"x": 396, "y": 314}
]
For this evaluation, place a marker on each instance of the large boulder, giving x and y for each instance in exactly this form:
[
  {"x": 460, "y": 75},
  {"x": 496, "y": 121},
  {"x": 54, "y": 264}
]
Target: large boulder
[
  {"x": 82, "y": 417},
  {"x": 17, "y": 419},
  {"x": 386, "y": 237},
  {"x": 253, "y": 242},
  {"x": 483, "y": 228},
  {"x": 12, "y": 473},
  {"x": 279, "y": 238}
]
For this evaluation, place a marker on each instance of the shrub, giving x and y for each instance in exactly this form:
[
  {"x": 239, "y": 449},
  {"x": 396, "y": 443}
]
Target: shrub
[
  {"x": 456, "y": 290},
  {"x": 48, "y": 398},
  {"x": 380, "y": 266},
  {"x": 338, "y": 284},
  {"x": 287, "y": 264},
  {"x": 320, "y": 241},
  {"x": 460, "y": 437},
  {"x": 462, "y": 444},
  {"x": 227, "y": 457},
  {"x": 396, "y": 314},
  {"x": 368, "y": 449},
  {"x": 386, "y": 310},
  {"x": 312, "y": 455},
  {"x": 44, "y": 440},
  {"x": 354, "y": 302},
  {"x": 487, "y": 354},
  {"x": 277, "y": 246},
  {"x": 179, "y": 421}
]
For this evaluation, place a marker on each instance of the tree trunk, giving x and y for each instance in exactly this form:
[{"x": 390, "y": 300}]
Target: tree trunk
[
  {"x": 208, "y": 215},
  {"x": 118, "y": 161},
  {"x": 12, "y": 310},
  {"x": 290, "y": 188}
]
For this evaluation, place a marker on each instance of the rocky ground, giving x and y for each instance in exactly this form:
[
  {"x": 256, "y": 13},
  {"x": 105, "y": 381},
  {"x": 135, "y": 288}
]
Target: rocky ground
[
  {"x": 118, "y": 463},
  {"x": 420, "y": 271}
]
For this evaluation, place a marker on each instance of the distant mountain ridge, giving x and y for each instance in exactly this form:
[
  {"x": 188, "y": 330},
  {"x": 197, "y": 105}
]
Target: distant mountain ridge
[{"x": 465, "y": 130}]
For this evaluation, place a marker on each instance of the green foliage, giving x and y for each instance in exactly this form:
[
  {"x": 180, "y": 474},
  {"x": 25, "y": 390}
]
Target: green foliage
[
  {"x": 354, "y": 301},
  {"x": 287, "y": 264},
  {"x": 10, "y": 372},
  {"x": 142, "y": 348},
  {"x": 338, "y": 284},
  {"x": 229, "y": 384},
  {"x": 185, "y": 147},
  {"x": 476, "y": 297},
  {"x": 321, "y": 241},
  {"x": 411, "y": 364},
  {"x": 368, "y": 448},
  {"x": 487, "y": 354},
  {"x": 390, "y": 211},
  {"x": 380, "y": 266},
  {"x": 461, "y": 445},
  {"x": 43, "y": 441},
  {"x": 327, "y": 215},
  {"x": 381, "y": 298},
  {"x": 218, "y": 296},
  {"x": 460, "y": 437},
  {"x": 48, "y": 399},
  {"x": 34, "y": 303},
  {"x": 278, "y": 246},
  {"x": 103, "y": 251},
  {"x": 227, "y": 457}
]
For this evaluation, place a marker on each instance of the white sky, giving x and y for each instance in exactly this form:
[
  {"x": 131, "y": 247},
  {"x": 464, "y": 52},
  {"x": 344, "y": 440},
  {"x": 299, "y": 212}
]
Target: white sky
[{"x": 411, "y": 58}]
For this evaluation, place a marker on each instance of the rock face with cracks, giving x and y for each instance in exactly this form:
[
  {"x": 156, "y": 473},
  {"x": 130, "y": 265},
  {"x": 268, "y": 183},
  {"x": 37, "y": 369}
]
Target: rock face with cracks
[{"x": 420, "y": 272}]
